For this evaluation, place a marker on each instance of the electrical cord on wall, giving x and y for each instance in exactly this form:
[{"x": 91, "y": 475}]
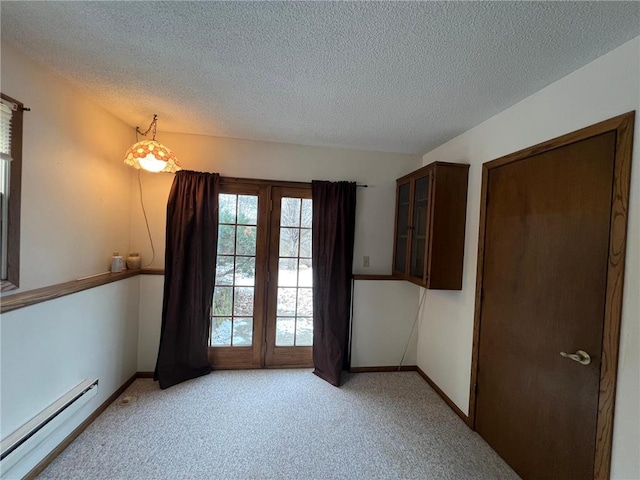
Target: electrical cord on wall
[
  {"x": 146, "y": 221},
  {"x": 415, "y": 321}
]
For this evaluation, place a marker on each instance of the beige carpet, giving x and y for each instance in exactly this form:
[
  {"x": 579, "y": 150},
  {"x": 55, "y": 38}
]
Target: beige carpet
[{"x": 280, "y": 424}]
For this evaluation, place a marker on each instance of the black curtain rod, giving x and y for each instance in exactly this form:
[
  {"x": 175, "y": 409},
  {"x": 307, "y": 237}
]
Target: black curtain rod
[{"x": 362, "y": 186}]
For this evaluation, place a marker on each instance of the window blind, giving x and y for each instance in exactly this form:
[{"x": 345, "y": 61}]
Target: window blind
[{"x": 6, "y": 114}]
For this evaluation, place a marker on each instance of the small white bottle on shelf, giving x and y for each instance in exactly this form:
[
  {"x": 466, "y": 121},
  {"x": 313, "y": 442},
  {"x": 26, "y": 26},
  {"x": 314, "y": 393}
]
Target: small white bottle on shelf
[{"x": 117, "y": 263}]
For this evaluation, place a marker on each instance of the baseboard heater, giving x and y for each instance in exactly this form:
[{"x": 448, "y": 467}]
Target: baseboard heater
[{"x": 18, "y": 444}]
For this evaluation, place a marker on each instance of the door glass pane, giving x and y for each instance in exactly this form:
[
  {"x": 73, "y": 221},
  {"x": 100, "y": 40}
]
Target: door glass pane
[
  {"x": 248, "y": 209},
  {"x": 285, "y": 328},
  {"x": 305, "y": 273},
  {"x": 221, "y": 332},
  {"x": 304, "y": 332},
  {"x": 305, "y": 302},
  {"x": 224, "y": 270},
  {"x": 246, "y": 242},
  {"x": 305, "y": 243},
  {"x": 290, "y": 212},
  {"x": 222, "y": 301},
  {"x": 245, "y": 271},
  {"x": 227, "y": 208},
  {"x": 242, "y": 331},
  {"x": 234, "y": 292},
  {"x": 287, "y": 272},
  {"x": 243, "y": 301},
  {"x": 289, "y": 241},
  {"x": 226, "y": 240},
  {"x": 307, "y": 213},
  {"x": 287, "y": 301}
]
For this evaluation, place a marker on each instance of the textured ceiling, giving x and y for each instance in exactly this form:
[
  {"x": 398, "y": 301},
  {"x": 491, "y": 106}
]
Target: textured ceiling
[{"x": 387, "y": 76}]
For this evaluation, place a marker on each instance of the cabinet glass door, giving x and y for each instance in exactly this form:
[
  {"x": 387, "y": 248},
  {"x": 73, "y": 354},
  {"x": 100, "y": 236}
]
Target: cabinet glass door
[
  {"x": 419, "y": 228},
  {"x": 402, "y": 227}
]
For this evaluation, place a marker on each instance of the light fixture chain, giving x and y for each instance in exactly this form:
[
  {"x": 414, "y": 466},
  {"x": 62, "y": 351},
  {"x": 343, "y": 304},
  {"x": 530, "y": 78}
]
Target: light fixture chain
[{"x": 152, "y": 126}]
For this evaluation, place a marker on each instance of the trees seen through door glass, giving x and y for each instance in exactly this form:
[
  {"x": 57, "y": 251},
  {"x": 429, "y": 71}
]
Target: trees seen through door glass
[{"x": 294, "y": 322}]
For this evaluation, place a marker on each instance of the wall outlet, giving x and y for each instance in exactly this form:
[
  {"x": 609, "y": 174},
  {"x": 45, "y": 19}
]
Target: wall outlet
[{"x": 365, "y": 261}]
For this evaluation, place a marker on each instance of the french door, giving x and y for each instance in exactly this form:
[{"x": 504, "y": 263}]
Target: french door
[
  {"x": 261, "y": 314},
  {"x": 290, "y": 300}
]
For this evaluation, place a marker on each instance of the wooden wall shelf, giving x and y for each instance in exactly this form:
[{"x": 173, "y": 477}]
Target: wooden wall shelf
[
  {"x": 376, "y": 277},
  {"x": 16, "y": 301}
]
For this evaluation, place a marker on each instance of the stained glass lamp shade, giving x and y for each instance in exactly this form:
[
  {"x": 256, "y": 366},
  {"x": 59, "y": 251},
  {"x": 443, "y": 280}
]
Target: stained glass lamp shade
[{"x": 153, "y": 156}]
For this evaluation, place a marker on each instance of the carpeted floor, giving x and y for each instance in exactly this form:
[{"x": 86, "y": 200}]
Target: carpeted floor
[{"x": 280, "y": 424}]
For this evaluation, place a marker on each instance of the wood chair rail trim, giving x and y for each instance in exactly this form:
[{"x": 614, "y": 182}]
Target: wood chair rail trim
[
  {"x": 16, "y": 301},
  {"x": 375, "y": 277}
]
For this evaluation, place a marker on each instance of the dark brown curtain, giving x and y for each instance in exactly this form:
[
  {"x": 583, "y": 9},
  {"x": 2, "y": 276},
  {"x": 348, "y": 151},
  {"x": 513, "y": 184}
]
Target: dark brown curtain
[
  {"x": 334, "y": 215},
  {"x": 190, "y": 263}
]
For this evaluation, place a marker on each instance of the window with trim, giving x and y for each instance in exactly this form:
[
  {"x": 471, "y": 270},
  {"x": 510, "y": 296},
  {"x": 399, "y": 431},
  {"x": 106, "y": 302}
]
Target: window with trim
[{"x": 10, "y": 182}]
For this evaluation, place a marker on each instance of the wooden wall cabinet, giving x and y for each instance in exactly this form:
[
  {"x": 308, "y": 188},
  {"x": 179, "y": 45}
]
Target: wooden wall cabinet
[{"x": 431, "y": 207}]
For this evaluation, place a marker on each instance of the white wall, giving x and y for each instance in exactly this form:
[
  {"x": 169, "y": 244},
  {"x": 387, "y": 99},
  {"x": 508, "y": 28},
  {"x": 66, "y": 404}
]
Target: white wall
[
  {"x": 49, "y": 348},
  {"x": 150, "y": 321},
  {"x": 604, "y": 88},
  {"x": 277, "y": 161},
  {"x": 384, "y": 314},
  {"x": 76, "y": 190},
  {"x": 75, "y": 211}
]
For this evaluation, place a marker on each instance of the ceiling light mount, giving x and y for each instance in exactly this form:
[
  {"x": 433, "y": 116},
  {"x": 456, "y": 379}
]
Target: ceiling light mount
[{"x": 151, "y": 155}]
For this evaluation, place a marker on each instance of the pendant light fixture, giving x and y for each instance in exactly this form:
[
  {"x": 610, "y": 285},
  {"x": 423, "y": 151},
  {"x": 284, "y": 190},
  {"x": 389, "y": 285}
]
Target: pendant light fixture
[{"x": 151, "y": 155}]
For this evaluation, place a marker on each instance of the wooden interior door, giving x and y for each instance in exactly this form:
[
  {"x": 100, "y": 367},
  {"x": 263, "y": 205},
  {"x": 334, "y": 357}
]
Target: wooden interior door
[
  {"x": 289, "y": 332},
  {"x": 544, "y": 283}
]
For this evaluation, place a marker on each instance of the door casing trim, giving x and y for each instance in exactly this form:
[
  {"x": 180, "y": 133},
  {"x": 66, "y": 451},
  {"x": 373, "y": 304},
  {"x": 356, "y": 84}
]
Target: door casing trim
[{"x": 623, "y": 126}]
